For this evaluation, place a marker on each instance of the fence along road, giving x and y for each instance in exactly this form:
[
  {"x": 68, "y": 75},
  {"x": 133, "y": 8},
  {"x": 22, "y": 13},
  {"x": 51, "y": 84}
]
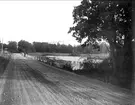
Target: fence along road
[{"x": 28, "y": 82}]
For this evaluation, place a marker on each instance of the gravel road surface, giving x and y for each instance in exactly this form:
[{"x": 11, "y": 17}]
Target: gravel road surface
[{"x": 29, "y": 82}]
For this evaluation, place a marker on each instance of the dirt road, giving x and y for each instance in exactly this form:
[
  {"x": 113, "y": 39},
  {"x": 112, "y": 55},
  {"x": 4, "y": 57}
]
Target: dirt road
[{"x": 28, "y": 82}]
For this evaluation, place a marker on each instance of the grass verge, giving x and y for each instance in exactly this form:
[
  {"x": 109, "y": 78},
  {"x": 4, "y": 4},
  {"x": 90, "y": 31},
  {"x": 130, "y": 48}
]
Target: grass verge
[{"x": 4, "y": 60}]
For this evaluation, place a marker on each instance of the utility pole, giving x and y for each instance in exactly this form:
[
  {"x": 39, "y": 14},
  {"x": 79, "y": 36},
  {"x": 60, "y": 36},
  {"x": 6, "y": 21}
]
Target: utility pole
[{"x": 1, "y": 46}]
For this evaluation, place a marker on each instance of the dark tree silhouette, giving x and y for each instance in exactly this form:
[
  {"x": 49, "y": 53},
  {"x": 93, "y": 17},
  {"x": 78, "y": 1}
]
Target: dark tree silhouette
[
  {"x": 25, "y": 46},
  {"x": 12, "y": 46},
  {"x": 111, "y": 20}
]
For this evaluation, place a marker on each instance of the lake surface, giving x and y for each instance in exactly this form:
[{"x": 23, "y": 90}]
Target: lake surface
[
  {"x": 69, "y": 58},
  {"x": 76, "y": 61},
  {"x": 75, "y": 58}
]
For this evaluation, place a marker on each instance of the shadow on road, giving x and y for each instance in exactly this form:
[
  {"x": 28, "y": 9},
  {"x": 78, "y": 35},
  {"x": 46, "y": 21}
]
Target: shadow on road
[
  {"x": 24, "y": 72},
  {"x": 39, "y": 77}
]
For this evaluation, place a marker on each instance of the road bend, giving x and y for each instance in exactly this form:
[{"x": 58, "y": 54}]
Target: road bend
[{"x": 29, "y": 82}]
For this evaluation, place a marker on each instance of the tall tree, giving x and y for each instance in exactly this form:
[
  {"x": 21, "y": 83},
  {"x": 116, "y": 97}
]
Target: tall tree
[
  {"x": 12, "y": 46},
  {"x": 25, "y": 46},
  {"x": 111, "y": 20}
]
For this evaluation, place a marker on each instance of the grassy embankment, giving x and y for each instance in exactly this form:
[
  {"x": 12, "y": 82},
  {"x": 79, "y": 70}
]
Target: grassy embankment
[{"x": 4, "y": 60}]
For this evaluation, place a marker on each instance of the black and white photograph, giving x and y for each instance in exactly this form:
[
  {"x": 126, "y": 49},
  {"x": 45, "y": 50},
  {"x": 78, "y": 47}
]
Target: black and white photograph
[{"x": 67, "y": 52}]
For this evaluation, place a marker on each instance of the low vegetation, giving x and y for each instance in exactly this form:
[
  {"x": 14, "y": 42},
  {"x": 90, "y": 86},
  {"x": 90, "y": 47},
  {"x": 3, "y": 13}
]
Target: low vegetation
[
  {"x": 4, "y": 60},
  {"x": 102, "y": 70}
]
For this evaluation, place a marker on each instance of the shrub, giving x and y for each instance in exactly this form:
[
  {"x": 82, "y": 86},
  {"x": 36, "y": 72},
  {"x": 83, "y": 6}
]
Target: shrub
[
  {"x": 90, "y": 64},
  {"x": 68, "y": 66},
  {"x": 103, "y": 69},
  {"x": 4, "y": 60}
]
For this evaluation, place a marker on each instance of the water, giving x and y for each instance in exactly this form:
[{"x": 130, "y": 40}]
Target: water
[
  {"x": 69, "y": 58},
  {"x": 75, "y": 60}
]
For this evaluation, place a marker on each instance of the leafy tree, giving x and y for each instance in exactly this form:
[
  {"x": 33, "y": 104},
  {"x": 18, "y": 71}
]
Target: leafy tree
[
  {"x": 5, "y": 46},
  {"x": 12, "y": 46},
  {"x": 41, "y": 46},
  {"x": 47, "y": 47},
  {"x": 111, "y": 20},
  {"x": 60, "y": 48},
  {"x": 25, "y": 46}
]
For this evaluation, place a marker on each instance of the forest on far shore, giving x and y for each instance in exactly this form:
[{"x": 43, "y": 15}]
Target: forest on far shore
[{"x": 23, "y": 45}]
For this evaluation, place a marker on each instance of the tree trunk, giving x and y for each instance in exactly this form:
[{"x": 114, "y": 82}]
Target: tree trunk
[
  {"x": 113, "y": 57},
  {"x": 128, "y": 62},
  {"x": 111, "y": 36}
]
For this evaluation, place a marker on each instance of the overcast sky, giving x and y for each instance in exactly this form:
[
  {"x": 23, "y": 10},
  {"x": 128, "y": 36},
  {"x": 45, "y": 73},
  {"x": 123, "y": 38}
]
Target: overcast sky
[{"x": 44, "y": 21}]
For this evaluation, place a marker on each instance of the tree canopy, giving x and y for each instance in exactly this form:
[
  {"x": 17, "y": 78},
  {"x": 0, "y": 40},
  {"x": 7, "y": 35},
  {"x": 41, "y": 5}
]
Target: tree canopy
[
  {"x": 25, "y": 46},
  {"x": 97, "y": 19},
  {"x": 111, "y": 20},
  {"x": 12, "y": 46}
]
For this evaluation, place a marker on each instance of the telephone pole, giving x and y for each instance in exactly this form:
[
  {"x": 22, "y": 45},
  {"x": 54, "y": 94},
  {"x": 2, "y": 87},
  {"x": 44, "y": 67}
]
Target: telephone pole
[{"x": 1, "y": 46}]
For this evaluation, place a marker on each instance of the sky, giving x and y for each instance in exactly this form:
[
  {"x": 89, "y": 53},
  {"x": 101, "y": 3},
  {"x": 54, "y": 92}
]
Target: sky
[{"x": 43, "y": 21}]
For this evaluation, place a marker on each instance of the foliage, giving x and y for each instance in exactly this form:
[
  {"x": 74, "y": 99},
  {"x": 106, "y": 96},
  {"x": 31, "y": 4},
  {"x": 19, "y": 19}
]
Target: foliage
[
  {"x": 68, "y": 66},
  {"x": 12, "y": 46},
  {"x": 108, "y": 18},
  {"x": 111, "y": 20},
  {"x": 25, "y": 46},
  {"x": 88, "y": 64},
  {"x": 4, "y": 45},
  {"x": 60, "y": 48}
]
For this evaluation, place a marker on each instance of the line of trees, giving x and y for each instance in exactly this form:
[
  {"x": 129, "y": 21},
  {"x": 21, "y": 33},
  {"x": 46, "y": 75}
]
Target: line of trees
[{"x": 25, "y": 46}]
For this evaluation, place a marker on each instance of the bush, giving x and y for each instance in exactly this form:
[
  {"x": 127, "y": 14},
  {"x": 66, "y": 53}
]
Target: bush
[
  {"x": 103, "y": 69},
  {"x": 3, "y": 63},
  {"x": 88, "y": 64},
  {"x": 68, "y": 66}
]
